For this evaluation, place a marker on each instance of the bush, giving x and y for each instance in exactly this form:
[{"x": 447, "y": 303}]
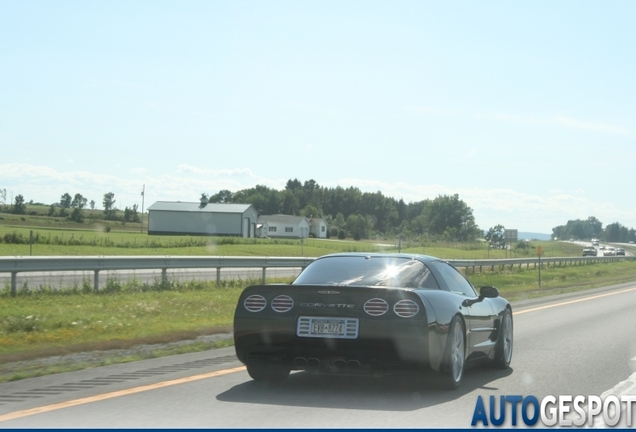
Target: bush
[
  {"x": 341, "y": 235},
  {"x": 14, "y": 238}
]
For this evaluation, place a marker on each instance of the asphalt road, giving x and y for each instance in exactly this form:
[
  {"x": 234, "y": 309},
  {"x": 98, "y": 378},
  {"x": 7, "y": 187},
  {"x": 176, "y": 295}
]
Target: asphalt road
[{"x": 575, "y": 344}]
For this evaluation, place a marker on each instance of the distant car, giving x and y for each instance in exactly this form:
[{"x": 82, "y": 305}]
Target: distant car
[
  {"x": 631, "y": 242},
  {"x": 620, "y": 251},
  {"x": 589, "y": 251},
  {"x": 610, "y": 251},
  {"x": 372, "y": 314},
  {"x": 601, "y": 247}
]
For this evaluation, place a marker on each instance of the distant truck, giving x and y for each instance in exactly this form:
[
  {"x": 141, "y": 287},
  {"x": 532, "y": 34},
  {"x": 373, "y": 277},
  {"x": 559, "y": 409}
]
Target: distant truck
[
  {"x": 595, "y": 242},
  {"x": 589, "y": 251}
]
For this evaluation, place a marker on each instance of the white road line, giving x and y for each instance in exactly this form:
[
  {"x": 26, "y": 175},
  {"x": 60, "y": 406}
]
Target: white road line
[{"x": 572, "y": 301}]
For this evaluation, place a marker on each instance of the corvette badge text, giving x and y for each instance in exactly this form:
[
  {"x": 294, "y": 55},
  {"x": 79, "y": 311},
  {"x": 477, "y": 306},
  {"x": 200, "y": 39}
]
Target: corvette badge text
[{"x": 562, "y": 410}]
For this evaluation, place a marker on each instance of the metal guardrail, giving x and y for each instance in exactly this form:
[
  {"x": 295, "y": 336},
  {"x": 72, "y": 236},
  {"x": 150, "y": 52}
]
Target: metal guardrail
[
  {"x": 15, "y": 265},
  {"x": 535, "y": 262}
]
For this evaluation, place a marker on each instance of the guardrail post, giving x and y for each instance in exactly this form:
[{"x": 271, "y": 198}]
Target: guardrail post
[
  {"x": 96, "y": 280},
  {"x": 218, "y": 277},
  {"x": 264, "y": 275},
  {"x": 164, "y": 275},
  {"x": 13, "y": 283}
]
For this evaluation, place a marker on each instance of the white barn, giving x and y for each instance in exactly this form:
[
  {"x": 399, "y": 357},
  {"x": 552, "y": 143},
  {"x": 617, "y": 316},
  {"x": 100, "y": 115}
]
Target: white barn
[
  {"x": 202, "y": 218},
  {"x": 282, "y": 226}
]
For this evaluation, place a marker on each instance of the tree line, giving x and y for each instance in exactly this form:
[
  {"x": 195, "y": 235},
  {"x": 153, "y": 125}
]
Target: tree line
[
  {"x": 362, "y": 214},
  {"x": 593, "y": 228},
  {"x": 72, "y": 207}
]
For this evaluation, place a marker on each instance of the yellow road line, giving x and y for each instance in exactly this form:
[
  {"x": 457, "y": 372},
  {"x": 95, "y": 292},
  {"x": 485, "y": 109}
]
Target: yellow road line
[
  {"x": 572, "y": 301},
  {"x": 97, "y": 398}
]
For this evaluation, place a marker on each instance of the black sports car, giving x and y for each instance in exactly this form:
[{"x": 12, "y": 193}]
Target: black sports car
[{"x": 359, "y": 313}]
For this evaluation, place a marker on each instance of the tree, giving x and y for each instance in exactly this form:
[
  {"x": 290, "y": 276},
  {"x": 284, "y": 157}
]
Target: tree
[
  {"x": 358, "y": 226},
  {"x": 496, "y": 236},
  {"x": 131, "y": 214},
  {"x": 3, "y": 199},
  {"x": 135, "y": 213},
  {"x": 78, "y": 201},
  {"x": 65, "y": 200},
  {"x": 109, "y": 203},
  {"x": 19, "y": 207},
  {"x": 290, "y": 204},
  {"x": 224, "y": 196},
  {"x": 78, "y": 204},
  {"x": 265, "y": 200},
  {"x": 92, "y": 203},
  {"x": 446, "y": 212},
  {"x": 615, "y": 232},
  {"x": 310, "y": 211}
]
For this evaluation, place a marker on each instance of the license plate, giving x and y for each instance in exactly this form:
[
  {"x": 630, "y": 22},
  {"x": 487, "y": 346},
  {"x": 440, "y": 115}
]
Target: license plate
[
  {"x": 327, "y": 327},
  {"x": 322, "y": 327}
]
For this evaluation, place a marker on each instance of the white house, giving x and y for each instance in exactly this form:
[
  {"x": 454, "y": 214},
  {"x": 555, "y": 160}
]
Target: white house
[
  {"x": 282, "y": 226},
  {"x": 318, "y": 227},
  {"x": 202, "y": 218}
]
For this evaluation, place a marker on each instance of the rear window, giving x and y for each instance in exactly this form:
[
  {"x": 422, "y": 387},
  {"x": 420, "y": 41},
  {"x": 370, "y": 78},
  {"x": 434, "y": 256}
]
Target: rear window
[{"x": 368, "y": 271}]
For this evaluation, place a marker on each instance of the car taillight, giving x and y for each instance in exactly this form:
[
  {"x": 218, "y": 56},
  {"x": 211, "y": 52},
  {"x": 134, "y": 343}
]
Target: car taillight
[
  {"x": 376, "y": 307},
  {"x": 406, "y": 308},
  {"x": 282, "y": 303},
  {"x": 255, "y": 303}
]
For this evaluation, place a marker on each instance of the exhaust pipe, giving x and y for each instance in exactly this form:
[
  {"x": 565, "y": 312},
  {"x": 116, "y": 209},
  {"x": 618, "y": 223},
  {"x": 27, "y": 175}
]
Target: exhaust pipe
[
  {"x": 313, "y": 363},
  {"x": 353, "y": 364},
  {"x": 300, "y": 362},
  {"x": 340, "y": 364}
]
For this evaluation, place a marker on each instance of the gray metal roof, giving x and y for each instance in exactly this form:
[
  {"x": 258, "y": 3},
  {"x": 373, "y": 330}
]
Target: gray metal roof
[{"x": 179, "y": 206}]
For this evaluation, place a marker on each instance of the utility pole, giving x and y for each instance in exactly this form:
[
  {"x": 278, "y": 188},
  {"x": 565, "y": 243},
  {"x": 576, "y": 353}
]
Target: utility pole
[{"x": 143, "y": 197}]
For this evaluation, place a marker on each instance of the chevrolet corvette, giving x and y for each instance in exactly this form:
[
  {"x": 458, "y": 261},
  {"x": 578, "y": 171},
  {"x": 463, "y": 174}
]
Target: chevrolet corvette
[{"x": 380, "y": 313}]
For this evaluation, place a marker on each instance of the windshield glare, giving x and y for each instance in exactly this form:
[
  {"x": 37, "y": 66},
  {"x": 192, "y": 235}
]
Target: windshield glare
[{"x": 368, "y": 271}]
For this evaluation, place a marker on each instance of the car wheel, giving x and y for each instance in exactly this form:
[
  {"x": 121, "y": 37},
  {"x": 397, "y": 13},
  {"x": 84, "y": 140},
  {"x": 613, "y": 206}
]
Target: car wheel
[
  {"x": 268, "y": 374},
  {"x": 503, "y": 350},
  {"x": 455, "y": 356}
]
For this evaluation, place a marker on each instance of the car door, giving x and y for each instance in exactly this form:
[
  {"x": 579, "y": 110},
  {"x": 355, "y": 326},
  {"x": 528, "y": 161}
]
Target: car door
[{"x": 480, "y": 317}]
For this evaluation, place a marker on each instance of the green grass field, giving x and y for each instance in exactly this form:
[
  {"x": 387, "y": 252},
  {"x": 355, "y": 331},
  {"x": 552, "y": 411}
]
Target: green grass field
[{"x": 15, "y": 241}]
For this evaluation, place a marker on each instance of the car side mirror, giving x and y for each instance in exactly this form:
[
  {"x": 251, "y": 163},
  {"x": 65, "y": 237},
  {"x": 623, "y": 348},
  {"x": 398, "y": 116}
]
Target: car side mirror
[{"x": 488, "y": 292}]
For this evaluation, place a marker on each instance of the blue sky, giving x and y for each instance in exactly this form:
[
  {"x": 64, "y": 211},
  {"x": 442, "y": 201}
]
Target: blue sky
[{"x": 524, "y": 109}]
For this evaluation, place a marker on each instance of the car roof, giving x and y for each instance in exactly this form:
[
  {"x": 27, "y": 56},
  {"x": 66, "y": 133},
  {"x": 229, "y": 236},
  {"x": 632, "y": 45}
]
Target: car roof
[{"x": 423, "y": 258}]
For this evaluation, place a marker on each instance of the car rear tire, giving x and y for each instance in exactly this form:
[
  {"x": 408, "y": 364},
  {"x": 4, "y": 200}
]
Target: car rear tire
[
  {"x": 268, "y": 373},
  {"x": 455, "y": 356},
  {"x": 503, "y": 350}
]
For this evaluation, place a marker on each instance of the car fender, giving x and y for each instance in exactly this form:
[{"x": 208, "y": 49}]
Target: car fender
[{"x": 443, "y": 306}]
